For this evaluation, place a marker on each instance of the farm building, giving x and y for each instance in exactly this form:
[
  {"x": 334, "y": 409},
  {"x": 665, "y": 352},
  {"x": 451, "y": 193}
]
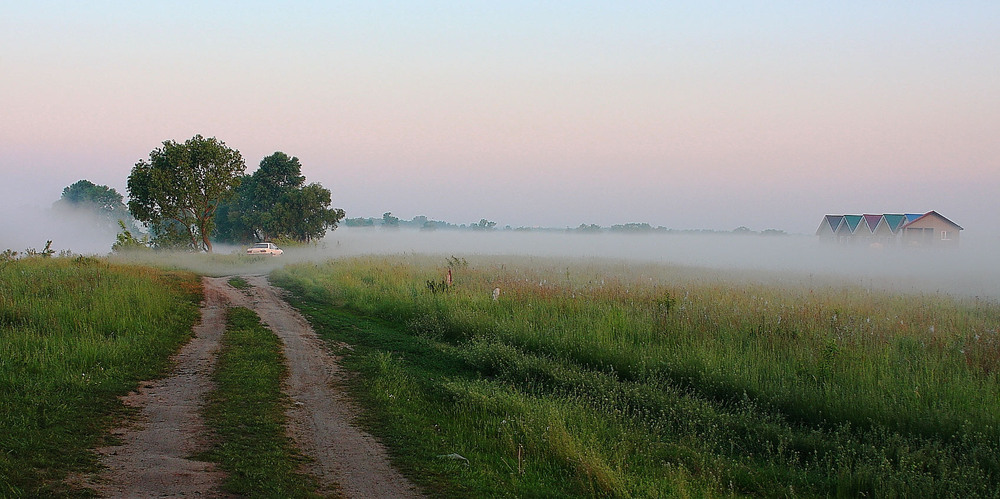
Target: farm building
[{"x": 910, "y": 229}]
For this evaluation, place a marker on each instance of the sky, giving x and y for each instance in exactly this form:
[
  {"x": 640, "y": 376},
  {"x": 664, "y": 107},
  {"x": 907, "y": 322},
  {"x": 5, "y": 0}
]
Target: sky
[{"x": 688, "y": 115}]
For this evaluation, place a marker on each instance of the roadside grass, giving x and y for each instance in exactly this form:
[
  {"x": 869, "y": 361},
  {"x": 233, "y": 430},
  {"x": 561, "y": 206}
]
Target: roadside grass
[
  {"x": 213, "y": 264},
  {"x": 604, "y": 379},
  {"x": 246, "y": 412},
  {"x": 76, "y": 333}
]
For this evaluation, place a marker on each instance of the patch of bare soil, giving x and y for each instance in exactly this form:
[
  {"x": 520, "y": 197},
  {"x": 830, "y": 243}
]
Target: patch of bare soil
[
  {"x": 321, "y": 415},
  {"x": 154, "y": 459}
]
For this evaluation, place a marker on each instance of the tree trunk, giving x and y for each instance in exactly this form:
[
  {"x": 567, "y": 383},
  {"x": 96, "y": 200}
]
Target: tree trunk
[{"x": 206, "y": 243}]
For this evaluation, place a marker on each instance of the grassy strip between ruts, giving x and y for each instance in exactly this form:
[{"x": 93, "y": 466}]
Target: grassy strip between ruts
[
  {"x": 239, "y": 282},
  {"x": 76, "y": 333},
  {"x": 653, "y": 381},
  {"x": 247, "y": 413}
]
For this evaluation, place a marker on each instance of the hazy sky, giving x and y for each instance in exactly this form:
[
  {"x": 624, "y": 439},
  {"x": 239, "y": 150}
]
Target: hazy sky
[{"x": 710, "y": 115}]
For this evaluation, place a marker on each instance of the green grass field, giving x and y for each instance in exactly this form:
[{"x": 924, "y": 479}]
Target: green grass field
[
  {"x": 580, "y": 379},
  {"x": 604, "y": 379},
  {"x": 75, "y": 333}
]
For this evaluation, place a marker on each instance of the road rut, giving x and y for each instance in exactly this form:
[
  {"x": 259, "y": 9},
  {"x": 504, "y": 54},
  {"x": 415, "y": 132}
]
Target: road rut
[{"x": 155, "y": 460}]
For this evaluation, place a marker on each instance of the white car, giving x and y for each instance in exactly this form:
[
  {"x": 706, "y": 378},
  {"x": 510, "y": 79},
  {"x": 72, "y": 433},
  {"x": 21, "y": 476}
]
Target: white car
[{"x": 264, "y": 249}]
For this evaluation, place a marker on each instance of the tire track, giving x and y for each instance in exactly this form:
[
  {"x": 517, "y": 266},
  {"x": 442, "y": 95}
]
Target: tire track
[{"x": 321, "y": 415}]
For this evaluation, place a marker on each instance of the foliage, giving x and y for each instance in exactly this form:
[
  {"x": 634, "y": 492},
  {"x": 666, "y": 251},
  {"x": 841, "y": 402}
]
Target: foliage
[
  {"x": 359, "y": 222},
  {"x": 106, "y": 202},
  {"x": 483, "y": 224},
  {"x": 126, "y": 241},
  {"x": 654, "y": 381},
  {"x": 275, "y": 203},
  {"x": 247, "y": 413},
  {"x": 390, "y": 221},
  {"x": 45, "y": 252},
  {"x": 632, "y": 227},
  {"x": 69, "y": 349},
  {"x": 304, "y": 215},
  {"x": 178, "y": 190},
  {"x": 455, "y": 262},
  {"x": 437, "y": 287}
]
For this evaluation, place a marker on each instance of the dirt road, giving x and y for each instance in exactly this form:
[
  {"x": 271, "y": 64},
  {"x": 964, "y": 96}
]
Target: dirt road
[{"x": 155, "y": 458}]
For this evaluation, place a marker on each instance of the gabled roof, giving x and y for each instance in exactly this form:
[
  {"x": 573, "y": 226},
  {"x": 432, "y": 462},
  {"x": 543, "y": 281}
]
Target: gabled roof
[
  {"x": 834, "y": 221},
  {"x": 894, "y": 221},
  {"x": 852, "y": 222},
  {"x": 933, "y": 213},
  {"x": 872, "y": 221},
  {"x": 841, "y": 224}
]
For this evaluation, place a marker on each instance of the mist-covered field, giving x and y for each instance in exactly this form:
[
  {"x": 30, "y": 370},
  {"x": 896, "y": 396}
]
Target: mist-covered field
[
  {"x": 970, "y": 270},
  {"x": 973, "y": 269}
]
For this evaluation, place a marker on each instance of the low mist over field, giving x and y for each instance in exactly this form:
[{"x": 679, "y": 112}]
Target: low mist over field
[
  {"x": 76, "y": 230},
  {"x": 970, "y": 270}
]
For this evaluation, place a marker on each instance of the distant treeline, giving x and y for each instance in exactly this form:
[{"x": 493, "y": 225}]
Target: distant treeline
[{"x": 388, "y": 221}]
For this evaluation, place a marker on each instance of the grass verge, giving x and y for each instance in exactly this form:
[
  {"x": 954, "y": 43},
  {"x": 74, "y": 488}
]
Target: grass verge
[
  {"x": 75, "y": 334},
  {"x": 247, "y": 414},
  {"x": 602, "y": 380}
]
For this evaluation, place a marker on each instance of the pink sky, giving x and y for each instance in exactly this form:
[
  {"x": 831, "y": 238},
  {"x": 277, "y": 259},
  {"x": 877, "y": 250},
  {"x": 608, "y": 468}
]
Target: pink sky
[{"x": 710, "y": 117}]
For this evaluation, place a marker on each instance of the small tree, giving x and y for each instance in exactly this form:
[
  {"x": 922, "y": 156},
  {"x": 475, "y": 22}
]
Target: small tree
[{"x": 126, "y": 241}]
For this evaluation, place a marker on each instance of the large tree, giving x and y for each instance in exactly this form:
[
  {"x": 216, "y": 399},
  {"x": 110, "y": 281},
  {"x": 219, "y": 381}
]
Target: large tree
[
  {"x": 276, "y": 203},
  {"x": 178, "y": 190}
]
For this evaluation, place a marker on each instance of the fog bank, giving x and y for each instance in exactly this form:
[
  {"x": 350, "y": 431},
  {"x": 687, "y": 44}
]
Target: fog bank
[{"x": 970, "y": 270}]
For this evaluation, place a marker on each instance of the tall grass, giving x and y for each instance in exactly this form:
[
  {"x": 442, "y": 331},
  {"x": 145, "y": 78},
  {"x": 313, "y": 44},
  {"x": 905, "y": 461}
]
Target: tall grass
[
  {"x": 651, "y": 380},
  {"x": 75, "y": 333}
]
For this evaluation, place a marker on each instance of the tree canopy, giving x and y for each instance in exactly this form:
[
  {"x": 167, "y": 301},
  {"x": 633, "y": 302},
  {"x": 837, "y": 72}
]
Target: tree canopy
[
  {"x": 276, "y": 203},
  {"x": 178, "y": 190},
  {"x": 84, "y": 192},
  {"x": 105, "y": 202}
]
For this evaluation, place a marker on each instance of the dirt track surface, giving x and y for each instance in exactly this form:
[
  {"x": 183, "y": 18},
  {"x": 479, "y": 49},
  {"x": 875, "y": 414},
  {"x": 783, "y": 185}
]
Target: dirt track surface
[
  {"x": 321, "y": 415},
  {"x": 154, "y": 460}
]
